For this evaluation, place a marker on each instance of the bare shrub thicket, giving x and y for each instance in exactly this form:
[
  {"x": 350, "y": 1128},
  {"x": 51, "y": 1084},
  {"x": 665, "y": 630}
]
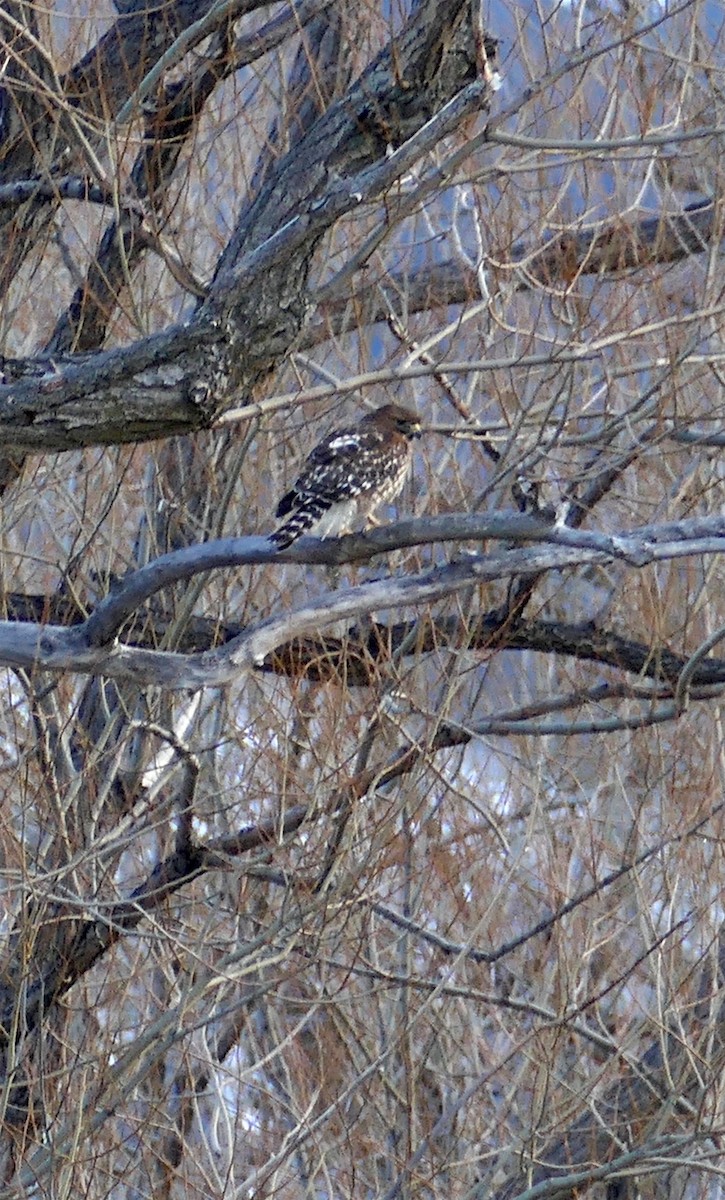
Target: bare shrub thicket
[{"x": 390, "y": 866}]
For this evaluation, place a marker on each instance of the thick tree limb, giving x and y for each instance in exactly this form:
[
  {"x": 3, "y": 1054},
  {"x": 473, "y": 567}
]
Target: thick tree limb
[
  {"x": 47, "y": 117},
  {"x": 168, "y": 129},
  {"x": 185, "y": 393},
  {"x": 177, "y": 381},
  {"x": 180, "y": 399},
  {"x": 48, "y": 411},
  {"x": 359, "y": 656},
  {"x": 85, "y": 647}
]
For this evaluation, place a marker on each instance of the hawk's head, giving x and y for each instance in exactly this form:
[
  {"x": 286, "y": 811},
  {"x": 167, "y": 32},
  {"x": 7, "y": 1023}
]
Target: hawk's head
[{"x": 395, "y": 417}]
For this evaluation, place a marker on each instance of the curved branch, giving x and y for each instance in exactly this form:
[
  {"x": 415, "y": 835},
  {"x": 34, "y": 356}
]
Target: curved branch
[
  {"x": 85, "y": 648},
  {"x": 358, "y": 656},
  {"x": 635, "y": 547}
]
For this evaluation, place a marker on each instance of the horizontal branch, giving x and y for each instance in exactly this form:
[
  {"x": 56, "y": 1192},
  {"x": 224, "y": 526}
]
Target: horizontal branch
[
  {"x": 607, "y": 247},
  {"x": 637, "y": 548},
  {"x": 357, "y": 657},
  {"x": 85, "y": 647},
  {"x": 66, "y": 187},
  {"x": 182, "y": 565},
  {"x": 597, "y": 146}
]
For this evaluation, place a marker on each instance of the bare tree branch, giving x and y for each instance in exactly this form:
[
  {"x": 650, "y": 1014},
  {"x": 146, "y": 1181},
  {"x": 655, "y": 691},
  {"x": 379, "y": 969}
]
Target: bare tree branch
[
  {"x": 605, "y": 247},
  {"x": 86, "y": 648}
]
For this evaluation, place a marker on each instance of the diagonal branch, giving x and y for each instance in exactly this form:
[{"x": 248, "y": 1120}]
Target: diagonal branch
[
  {"x": 169, "y": 125},
  {"x": 177, "y": 381}
]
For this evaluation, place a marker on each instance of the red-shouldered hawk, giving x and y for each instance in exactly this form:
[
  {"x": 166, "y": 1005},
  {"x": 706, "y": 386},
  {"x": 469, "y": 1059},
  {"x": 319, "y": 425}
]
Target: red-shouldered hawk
[{"x": 348, "y": 475}]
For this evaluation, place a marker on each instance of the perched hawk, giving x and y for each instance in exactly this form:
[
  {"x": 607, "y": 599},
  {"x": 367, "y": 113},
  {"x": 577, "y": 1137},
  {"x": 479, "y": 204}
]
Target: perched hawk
[{"x": 348, "y": 475}]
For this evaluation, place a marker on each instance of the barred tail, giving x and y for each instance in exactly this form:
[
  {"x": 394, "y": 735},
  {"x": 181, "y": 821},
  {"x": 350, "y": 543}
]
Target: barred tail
[{"x": 297, "y": 523}]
